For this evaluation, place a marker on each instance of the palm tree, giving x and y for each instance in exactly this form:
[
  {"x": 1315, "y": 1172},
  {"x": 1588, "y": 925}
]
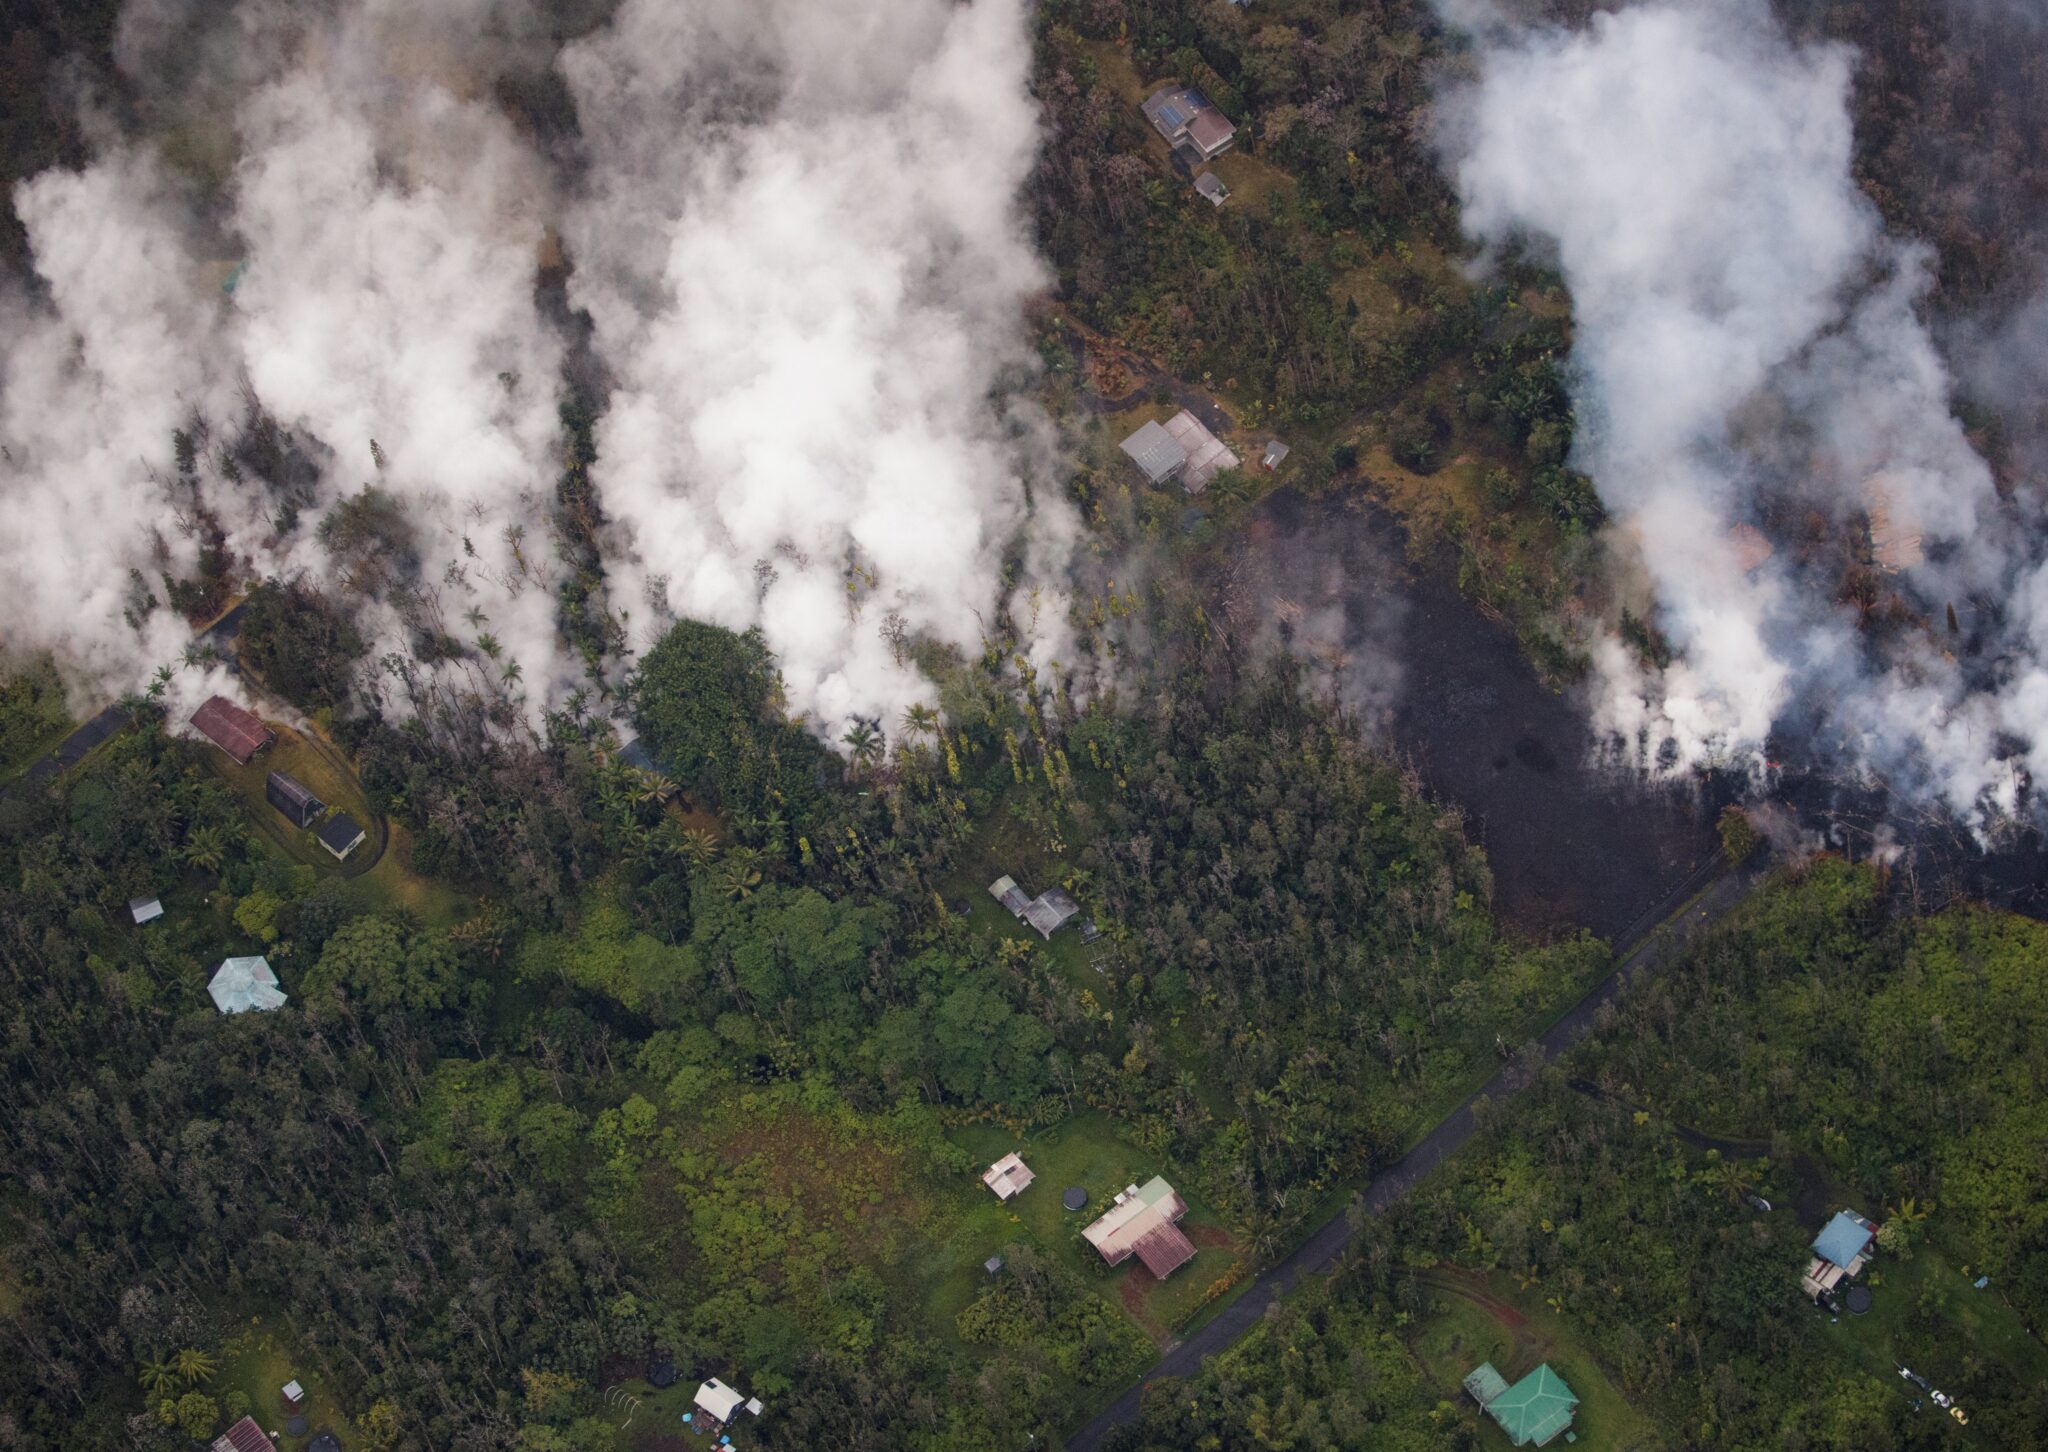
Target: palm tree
[
  {"x": 865, "y": 742},
  {"x": 739, "y": 877},
  {"x": 698, "y": 846},
  {"x": 193, "y": 1367},
  {"x": 206, "y": 847},
  {"x": 921, "y": 720},
  {"x": 652, "y": 786},
  {"x": 158, "y": 1377}
]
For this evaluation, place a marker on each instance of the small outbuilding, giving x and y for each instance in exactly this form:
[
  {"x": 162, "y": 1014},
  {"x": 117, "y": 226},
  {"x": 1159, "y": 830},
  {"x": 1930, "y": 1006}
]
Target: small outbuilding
[
  {"x": 993, "y": 1265},
  {"x": 1275, "y": 452},
  {"x": 232, "y": 729},
  {"x": 718, "y": 1402},
  {"x": 145, "y": 909},
  {"x": 1008, "y": 1176},
  {"x": 1005, "y": 891},
  {"x": 341, "y": 835},
  {"x": 293, "y": 798},
  {"x": 293, "y": 1396},
  {"x": 1211, "y": 186},
  {"x": 245, "y": 985}
]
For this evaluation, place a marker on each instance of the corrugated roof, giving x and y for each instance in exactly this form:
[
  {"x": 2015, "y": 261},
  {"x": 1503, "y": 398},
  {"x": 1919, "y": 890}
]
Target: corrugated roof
[
  {"x": 232, "y": 729},
  {"x": 246, "y": 1435},
  {"x": 145, "y": 909},
  {"x": 1164, "y": 1249},
  {"x": 1211, "y": 186},
  {"x": 291, "y": 789},
  {"x": 1156, "y": 451},
  {"x": 1207, "y": 455},
  {"x": 1535, "y": 1409}
]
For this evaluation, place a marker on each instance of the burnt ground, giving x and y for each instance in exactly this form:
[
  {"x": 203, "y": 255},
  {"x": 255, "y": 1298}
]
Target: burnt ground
[{"x": 1447, "y": 688}]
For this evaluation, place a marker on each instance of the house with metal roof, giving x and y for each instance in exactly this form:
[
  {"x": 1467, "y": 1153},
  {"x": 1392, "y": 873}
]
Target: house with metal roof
[
  {"x": 1047, "y": 912},
  {"x": 1183, "y": 114},
  {"x": 1144, "y": 1221},
  {"x": 341, "y": 835},
  {"x": 1008, "y": 1176},
  {"x": 244, "y": 985},
  {"x": 293, "y": 798},
  {"x": 232, "y": 729},
  {"x": 1182, "y": 448},
  {"x": 1840, "y": 1252},
  {"x": 1155, "y": 451},
  {"x": 1533, "y": 1411},
  {"x": 1005, "y": 891}
]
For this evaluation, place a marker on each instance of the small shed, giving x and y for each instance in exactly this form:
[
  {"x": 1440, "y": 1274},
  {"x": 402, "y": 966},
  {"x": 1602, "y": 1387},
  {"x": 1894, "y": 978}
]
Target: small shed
[
  {"x": 293, "y": 798},
  {"x": 246, "y": 1435},
  {"x": 1211, "y": 186},
  {"x": 232, "y": 729},
  {"x": 145, "y": 909},
  {"x": 341, "y": 835},
  {"x": 245, "y": 985},
  {"x": 1005, "y": 891},
  {"x": 718, "y": 1401},
  {"x": 1156, "y": 452},
  {"x": 1275, "y": 452},
  {"x": 993, "y": 1264},
  {"x": 293, "y": 1395},
  {"x": 1008, "y": 1176},
  {"x": 1049, "y": 910}
]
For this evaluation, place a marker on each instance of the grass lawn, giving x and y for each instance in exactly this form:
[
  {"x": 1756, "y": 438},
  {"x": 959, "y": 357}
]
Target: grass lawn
[
  {"x": 1477, "y": 1318},
  {"x": 1975, "y": 1329},
  {"x": 257, "y": 1362},
  {"x": 393, "y": 885},
  {"x": 1084, "y": 1151},
  {"x": 325, "y": 770}
]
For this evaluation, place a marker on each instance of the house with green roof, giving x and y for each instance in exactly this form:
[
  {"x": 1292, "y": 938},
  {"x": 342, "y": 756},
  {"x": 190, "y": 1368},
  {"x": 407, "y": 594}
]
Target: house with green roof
[{"x": 1532, "y": 1411}]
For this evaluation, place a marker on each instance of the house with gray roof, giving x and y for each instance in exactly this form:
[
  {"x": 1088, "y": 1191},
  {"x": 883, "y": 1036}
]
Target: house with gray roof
[{"x": 1183, "y": 114}]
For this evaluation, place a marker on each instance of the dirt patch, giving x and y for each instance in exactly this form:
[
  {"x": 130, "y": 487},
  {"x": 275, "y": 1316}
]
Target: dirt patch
[
  {"x": 1132, "y": 1291},
  {"x": 1468, "y": 1287},
  {"x": 1211, "y": 1237}
]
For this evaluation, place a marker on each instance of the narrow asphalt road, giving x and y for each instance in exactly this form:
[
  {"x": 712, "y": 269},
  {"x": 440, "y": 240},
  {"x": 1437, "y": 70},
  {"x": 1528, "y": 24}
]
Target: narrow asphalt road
[{"x": 1655, "y": 946}]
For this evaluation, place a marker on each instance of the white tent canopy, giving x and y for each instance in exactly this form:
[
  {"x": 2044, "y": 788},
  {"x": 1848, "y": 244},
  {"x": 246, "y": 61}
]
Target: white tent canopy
[{"x": 242, "y": 984}]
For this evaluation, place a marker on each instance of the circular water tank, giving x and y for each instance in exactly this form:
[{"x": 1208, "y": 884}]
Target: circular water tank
[{"x": 1075, "y": 1198}]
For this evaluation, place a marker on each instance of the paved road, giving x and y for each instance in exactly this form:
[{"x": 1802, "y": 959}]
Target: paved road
[{"x": 1653, "y": 948}]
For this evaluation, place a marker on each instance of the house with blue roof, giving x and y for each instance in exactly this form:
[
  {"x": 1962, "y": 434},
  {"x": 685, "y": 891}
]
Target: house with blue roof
[{"x": 1840, "y": 1252}]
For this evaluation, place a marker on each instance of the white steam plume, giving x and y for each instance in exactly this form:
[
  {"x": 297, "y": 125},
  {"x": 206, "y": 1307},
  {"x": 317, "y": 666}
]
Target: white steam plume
[
  {"x": 1745, "y": 330},
  {"x": 802, "y": 252},
  {"x": 793, "y": 224}
]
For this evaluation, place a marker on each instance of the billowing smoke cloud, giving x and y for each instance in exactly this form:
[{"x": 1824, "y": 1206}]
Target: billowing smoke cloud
[
  {"x": 1748, "y": 351},
  {"x": 793, "y": 227},
  {"x": 800, "y": 249}
]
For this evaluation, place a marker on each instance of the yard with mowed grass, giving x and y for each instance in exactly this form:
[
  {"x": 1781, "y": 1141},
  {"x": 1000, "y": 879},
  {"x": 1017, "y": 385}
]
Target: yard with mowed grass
[
  {"x": 1473, "y": 1318},
  {"x": 1963, "y": 1331},
  {"x": 257, "y": 1362},
  {"x": 1085, "y": 1151},
  {"x": 325, "y": 770}
]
